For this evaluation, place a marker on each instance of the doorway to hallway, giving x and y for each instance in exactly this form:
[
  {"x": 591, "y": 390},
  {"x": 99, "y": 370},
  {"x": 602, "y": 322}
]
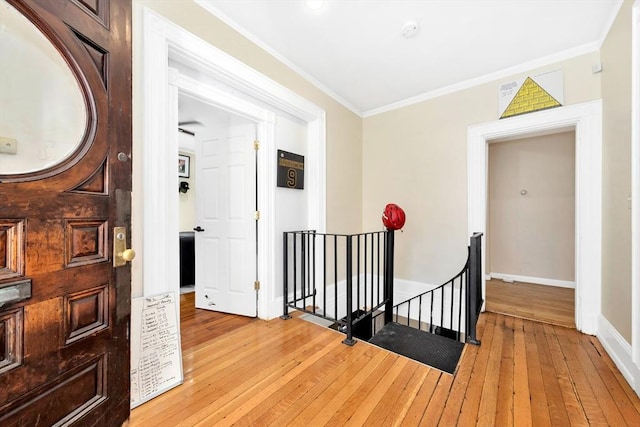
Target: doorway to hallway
[
  {"x": 531, "y": 226},
  {"x": 219, "y": 208},
  {"x": 242, "y": 91},
  {"x": 586, "y": 119}
]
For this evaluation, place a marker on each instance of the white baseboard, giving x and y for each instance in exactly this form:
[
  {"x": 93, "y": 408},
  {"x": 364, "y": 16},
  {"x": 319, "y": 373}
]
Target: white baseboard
[
  {"x": 620, "y": 352},
  {"x": 535, "y": 280},
  {"x": 405, "y": 289},
  {"x": 274, "y": 309}
]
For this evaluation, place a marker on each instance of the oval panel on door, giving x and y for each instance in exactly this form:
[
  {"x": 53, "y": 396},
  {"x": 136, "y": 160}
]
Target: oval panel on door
[{"x": 43, "y": 114}]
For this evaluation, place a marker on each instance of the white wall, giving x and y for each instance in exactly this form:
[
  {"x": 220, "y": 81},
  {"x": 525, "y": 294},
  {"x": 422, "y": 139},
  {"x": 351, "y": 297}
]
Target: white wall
[{"x": 290, "y": 204}]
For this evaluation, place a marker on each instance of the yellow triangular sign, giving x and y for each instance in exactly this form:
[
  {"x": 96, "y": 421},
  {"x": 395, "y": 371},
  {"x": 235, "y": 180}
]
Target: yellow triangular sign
[{"x": 530, "y": 97}]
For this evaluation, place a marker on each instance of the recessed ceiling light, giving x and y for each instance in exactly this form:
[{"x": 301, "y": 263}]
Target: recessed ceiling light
[{"x": 315, "y": 4}]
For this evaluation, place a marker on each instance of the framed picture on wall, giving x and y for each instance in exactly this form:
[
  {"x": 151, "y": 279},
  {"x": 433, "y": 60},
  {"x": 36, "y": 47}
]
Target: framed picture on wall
[{"x": 183, "y": 165}]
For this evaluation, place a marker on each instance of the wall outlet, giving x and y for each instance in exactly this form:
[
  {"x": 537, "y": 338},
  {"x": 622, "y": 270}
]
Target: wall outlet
[{"x": 8, "y": 145}]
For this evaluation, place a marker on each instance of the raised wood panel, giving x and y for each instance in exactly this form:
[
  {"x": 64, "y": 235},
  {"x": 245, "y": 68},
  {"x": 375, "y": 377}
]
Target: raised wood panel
[
  {"x": 86, "y": 313},
  {"x": 99, "y": 56},
  {"x": 97, "y": 9},
  {"x": 86, "y": 242},
  {"x": 4, "y": 351},
  {"x": 12, "y": 244},
  {"x": 3, "y": 249},
  {"x": 11, "y": 339},
  {"x": 97, "y": 183},
  {"x": 64, "y": 401}
]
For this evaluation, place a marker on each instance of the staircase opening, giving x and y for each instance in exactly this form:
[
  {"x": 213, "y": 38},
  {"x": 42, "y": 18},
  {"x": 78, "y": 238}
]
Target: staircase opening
[{"x": 347, "y": 282}]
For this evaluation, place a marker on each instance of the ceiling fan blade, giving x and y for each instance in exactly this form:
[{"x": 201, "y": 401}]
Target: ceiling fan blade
[{"x": 190, "y": 122}]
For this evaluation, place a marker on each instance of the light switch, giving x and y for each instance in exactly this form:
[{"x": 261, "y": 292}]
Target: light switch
[{"x": 8, "y": 145}]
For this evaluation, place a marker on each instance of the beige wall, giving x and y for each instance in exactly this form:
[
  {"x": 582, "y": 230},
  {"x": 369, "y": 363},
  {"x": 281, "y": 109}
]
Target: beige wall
[
  {"x": 417, "y": 157},
  {"x": 344, "y": 128},
  {"x": 532, "y": 234},
  {"x": 616, "y": 179}
]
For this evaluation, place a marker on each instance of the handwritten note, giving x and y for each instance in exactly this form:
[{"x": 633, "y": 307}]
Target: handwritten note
[{"x": 156, "y": 356}]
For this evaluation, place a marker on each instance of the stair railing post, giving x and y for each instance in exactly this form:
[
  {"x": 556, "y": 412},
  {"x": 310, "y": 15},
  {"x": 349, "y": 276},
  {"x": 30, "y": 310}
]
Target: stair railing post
[
  {"x": 349, "y": 339},
  {"x": 468, "y": 310},
  {"x": 474, "y": 287},
  {"x": 285, "y": 281},
  {"x": 388, "y": 276}
]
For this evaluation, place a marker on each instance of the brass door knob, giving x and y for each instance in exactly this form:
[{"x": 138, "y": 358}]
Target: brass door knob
[
  {"x": 121, "y": 255},
  {"x": 128, "y": 254}
]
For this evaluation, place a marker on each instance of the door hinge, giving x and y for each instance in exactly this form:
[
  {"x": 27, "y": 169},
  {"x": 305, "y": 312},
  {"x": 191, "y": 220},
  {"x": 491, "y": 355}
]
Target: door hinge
[
  {"x": 256, "y": 285},
  {"x": 256, "y": 145},
  {"x": 256, "y": 215}
]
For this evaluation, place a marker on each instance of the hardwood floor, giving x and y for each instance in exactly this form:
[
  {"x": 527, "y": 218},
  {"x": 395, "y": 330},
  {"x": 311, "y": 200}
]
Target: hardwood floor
[
  {"x": 297, "y": 373},
  {"x": 548, "y": 304},
  {"x": 200, "y": 326}
]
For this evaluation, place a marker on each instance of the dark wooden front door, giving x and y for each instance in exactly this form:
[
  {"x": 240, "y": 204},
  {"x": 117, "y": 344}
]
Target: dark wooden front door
[{"x": 64, "y": 346}]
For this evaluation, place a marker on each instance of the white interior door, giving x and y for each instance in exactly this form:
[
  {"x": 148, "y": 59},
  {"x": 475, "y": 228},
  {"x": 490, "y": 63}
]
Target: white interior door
[{"x": 225, "y": 211}]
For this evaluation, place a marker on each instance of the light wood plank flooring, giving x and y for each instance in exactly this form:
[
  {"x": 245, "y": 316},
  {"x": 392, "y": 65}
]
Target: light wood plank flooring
[
  {"x": 300, "y": 374},
  {"x": 548, "y": 304},
  {"x": 200, "y": 326}
]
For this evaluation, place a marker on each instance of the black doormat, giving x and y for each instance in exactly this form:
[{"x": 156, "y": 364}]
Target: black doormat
[{"x": 433, "y": 350}]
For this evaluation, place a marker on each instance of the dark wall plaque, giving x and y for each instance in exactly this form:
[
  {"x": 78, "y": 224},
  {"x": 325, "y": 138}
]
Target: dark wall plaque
[{"x": 290, "y": 170}]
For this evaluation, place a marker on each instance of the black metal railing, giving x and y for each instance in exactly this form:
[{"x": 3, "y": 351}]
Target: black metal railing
[
  {"x": 343, "y": 278},
  {"x": 451, "y": 309},
  {"x": 474, "y": 287}
]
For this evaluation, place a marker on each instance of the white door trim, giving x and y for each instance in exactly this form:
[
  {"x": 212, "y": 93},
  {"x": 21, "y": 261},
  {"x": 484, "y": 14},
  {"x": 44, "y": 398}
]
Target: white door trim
[
  {"x": 265, "y": 127},
  {"x": 586, "y": 118},
  {"x": 157, "y": 221}
]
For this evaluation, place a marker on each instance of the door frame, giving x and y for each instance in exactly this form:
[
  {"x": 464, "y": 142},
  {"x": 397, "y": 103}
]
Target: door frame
[
  {"x": 155, "y": 216},
  {"x": 586, "y": 118},
  {"x": 264, "y": 121}
]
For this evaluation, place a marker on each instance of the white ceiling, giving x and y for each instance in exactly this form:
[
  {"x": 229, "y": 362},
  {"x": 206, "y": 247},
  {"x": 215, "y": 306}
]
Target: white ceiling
[
  {"x": 196, "y": 116},
  {"x": 354, "y": 50}
]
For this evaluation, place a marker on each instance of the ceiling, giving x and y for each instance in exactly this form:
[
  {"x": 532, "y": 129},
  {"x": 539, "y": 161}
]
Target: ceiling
[
  {"x": 354, "y": 49},
  {"x": 198, "y": 117}
]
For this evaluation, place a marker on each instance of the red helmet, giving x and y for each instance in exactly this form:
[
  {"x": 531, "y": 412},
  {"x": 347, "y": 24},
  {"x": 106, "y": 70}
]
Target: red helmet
[{"x": 393, "y": 217}]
